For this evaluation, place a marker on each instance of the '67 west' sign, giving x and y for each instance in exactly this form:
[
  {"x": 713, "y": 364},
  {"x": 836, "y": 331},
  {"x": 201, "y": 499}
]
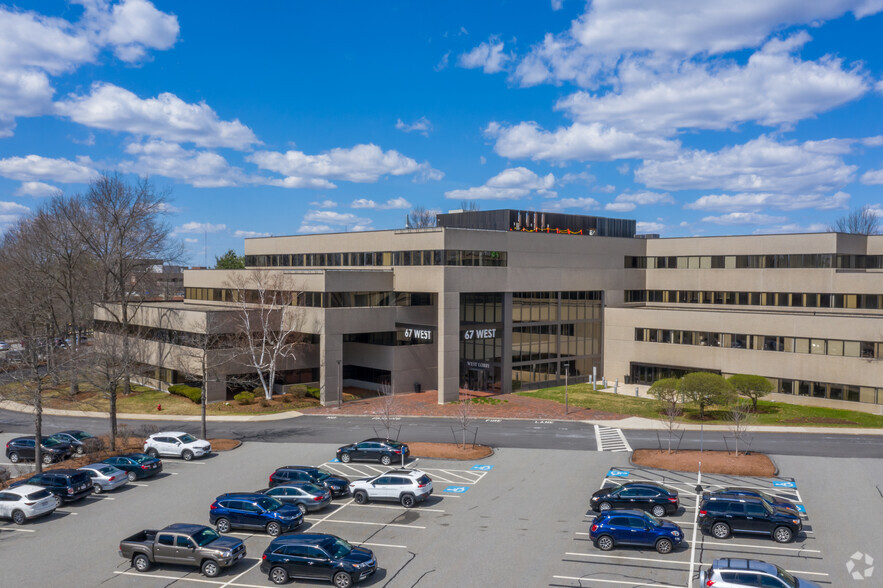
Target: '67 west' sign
[
  {"x": 421, "y": 334},
  {"x": 479, "y": 334}
]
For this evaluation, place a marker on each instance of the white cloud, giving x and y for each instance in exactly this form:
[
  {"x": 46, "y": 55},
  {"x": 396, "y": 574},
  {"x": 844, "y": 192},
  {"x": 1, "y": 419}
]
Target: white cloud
[
  {"x": 36, "y": 189},
  {"x": 565, "y": 203},
  {"x": 443, "y": 62},
  {"x": 760, "y": 165},
  {"x": 762, "y": 200},
  {"x": 557, "y": 4},
  {"x": 166, "y": 117},
  {"x": 249, "y": 234},
  {"x": 875, "y": 141},
  {"x": 791, "y": 228},
  {"x": 873, "y": 177},
  {"x": 619, "y": 206},
  {"x": 136, "y": 25},
  {"x": 421, "y": 125},
  {"x": 744, "y": 218},
  {"x": 329, "y": 217},
  {"x": 191, "y": 240},
  {"x": 649, "y": 227},
  {"x": 391, "y": 204},
  {"x": 512, "y": 183},
  {"x": 361, "y": 163},
  {"x": 324, "y": 204},
  {"x": 201, "y": 169},
  {"x": 10, "y": 212},
  {"x": 578, "y": 142},
  {"x": 583, "y": 177},
  {"x": 489, "y": 56},
  {"x": 22, "y": 93},
  {"x": 196, "y": 227},
  {"x": 628, "y": 201},
  {"x": 33, "y": 168},
  {"x": 606, "y": 188}
]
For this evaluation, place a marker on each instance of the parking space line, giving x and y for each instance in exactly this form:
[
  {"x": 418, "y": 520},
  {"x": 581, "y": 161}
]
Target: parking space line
[
  {"x": 100, "y": 497},
  {"x": 242, "y": 574},
  {"x": 362, "y": 523},
  {"x": 402, "y": 508},
  {"x": 615, "y": 582},
  {"x": 138, "y": 484},
  {"x": 601, "y": 555},
  {"x": 186, "y": 579},
  {"x": 384, "y": 545},
  {"x": 332, "y": 468},
  {"x": 807, "y": 573},
  {"x": 468, "y": 480},
  {"x": 18, "y": 530},
  {"x": 695, "y": 529},
  {"x": 723, "y": 544},
  {"x": 377, "y": 470}
]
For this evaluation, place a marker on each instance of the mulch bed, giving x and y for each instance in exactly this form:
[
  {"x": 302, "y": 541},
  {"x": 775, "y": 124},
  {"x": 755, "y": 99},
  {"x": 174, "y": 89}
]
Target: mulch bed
[
  {"x": 713, "y": 462},
  {"x": 819, "y": 420},
  {"x": 449, "y": 450}
]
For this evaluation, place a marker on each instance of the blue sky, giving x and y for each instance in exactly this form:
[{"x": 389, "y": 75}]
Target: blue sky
[{"x": 694, "y": 117}]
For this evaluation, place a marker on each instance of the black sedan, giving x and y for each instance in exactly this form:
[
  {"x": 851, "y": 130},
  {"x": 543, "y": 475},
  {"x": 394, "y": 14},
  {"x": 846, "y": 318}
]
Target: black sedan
[
  {"x": 776, "y": 501},
  {"x": 81, "y": 441},
  {"x": 136, "y": 465},
  {"x": 659, "y": 500},
  {"x": 25, "y": 448},
  {"x": 339, "y": 485},
  {"x": 304, "y": 495},
  {"x": 317, "y": 557},
  {"x": 386, "y": 451}
]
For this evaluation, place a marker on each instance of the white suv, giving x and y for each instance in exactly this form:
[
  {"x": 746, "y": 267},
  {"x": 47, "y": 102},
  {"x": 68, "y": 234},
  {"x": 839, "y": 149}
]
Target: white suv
[
  {"x": 176, "y": 444},
  {"x": 25, "y": 502},
  {"x": 407, "y": 487}
]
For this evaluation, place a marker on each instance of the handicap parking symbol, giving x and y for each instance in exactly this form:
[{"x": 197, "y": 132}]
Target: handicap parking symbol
[
  {"x": 456, "y": 489},
  {"x": 335, "y": 460},
  {"x": 482, "y": 468},
  {"x": 618, "y": 474},
  {"x": 800, "y": 508},
  {"x": 785, "y": 484}
]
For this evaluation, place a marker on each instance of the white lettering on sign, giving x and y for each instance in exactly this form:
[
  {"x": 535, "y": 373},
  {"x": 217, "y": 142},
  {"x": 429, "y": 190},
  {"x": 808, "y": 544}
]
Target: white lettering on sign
[
  {"x": 422, "y": 334},
  {"x": 479, "y": 334}
]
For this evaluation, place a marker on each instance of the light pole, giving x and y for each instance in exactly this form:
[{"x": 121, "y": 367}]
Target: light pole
[
  {"x": 566, "y": 373},
  {"x": 339, "y": 385}
]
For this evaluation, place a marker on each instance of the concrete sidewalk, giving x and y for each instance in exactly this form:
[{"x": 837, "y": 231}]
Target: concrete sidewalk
[{"x": 17, "y": 407}]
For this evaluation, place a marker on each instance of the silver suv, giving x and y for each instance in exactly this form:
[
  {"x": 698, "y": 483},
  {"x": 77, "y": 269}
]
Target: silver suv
[
  {"x": 407, "y": 487},
  {"x": 176, "y": 444},
  {"x": 744, "y": 573}
]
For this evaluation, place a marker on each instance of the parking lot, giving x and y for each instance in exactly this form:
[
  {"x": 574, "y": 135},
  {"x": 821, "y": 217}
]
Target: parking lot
[{"x": 517, "y": 518}]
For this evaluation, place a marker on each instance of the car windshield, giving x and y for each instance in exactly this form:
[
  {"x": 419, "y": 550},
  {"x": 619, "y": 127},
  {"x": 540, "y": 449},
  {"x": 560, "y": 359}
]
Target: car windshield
[
  {"x": 767, "y": 507},
  {"x": 395, "y": 444},
  {"x": 50, "y": 442},
  {"x": 337, "y": 548},
  {"x": 268, "y": 503},
  {"x": 766, "y": 496},
  {"x": 187, "y": 438},
  {"x": 39, "y": 494},
  {"x": 140, "y": 457},
  {"x": 786, "y": 577},
  {"x": 323, "y": 474},
  {"x": 312, "y": 489},
  {"x": 205, "y": 536},
  {"x": 655, "y": 521},
  {"x": 80, "y": 435},
  {"x": 107, "y": 470}
]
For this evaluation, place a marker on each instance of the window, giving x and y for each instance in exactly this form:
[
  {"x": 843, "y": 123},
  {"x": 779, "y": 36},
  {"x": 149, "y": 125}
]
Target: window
[
  {"x": 618, "y": 522},
  {"x": 754, "y": 510},
  {"x": 736, "y": 508},
  {"x": 165, "y": 540},
  {"x": 184, "y": 541}
]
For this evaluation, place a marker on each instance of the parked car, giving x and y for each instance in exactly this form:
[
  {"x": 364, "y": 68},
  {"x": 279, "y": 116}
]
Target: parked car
[
  {"x": 183, "y": 544},
  {"x": 657, "y": 499},
  {"x": 4, "y": 346},
  {"x": 722, "y": 515},
  {"x": 176, "y": 444},
  {"x": 338, "y": 485},
  {"x": 746, "y": 573},
  {"x": 81, "y": 441},
  {"x": 105, "y": 477},
  {"x": 385, "y": 451},
  {"x": 250, "y": 510},
  {"x": 634, "y": 527},
  {"x": 26, "y": 502},
  {"x": 25, "y": 448},
  {"x": 67, "y": 485},
  {"x": 304, "y": 495},
  {"x": 317, "y": 557},
  {"x": 776, "y": 501},
  {"x": 136, "y": 465},
  {"x": 407, "y": 487}
]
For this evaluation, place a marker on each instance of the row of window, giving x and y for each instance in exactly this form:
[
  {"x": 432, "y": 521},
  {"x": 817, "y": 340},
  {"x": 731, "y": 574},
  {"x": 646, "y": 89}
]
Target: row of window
[
  {"x": 553, "y": 306},
  {"x": 189, "y": 339},
  {"x": 386, "y": 338},
  {"x": 773, "y": 261},
  {"x": 540, "y": 375},
  {"x": 836, "y": 347},
  {"x": 530, "y": 343},
  {"x": 456, "y": 257},
  {"x": 313, "y": 299},
  {"x": 791, "y": 299}
]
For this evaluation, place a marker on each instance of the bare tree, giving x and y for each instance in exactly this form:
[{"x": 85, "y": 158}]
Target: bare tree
[
  {"x": 388, "y": 405},
  {"x": 469, "y": 206},
  {"x": 269, "y": 322},
  {"x": 420, "y": 218},
  {"x": 740, "y": 419},
  {"x": 464, "y": 417},
  {"x": 861, "y": 221}
]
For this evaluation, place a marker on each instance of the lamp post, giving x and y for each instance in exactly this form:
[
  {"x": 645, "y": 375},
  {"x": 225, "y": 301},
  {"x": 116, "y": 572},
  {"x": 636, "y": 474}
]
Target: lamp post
[
  {"x": 339, "y": 385},
  {"x": 566, "y": 373}
]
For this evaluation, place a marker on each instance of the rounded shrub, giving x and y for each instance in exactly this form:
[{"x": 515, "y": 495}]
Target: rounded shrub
[{"x": 244, "y": 398}]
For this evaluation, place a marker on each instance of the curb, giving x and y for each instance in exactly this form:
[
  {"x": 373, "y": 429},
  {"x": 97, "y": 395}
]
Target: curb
[{"x": 768, "y": 456}]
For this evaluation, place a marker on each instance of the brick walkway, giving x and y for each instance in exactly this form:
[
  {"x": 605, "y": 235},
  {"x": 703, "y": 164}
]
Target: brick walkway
[{"x": 426, "y": 404}]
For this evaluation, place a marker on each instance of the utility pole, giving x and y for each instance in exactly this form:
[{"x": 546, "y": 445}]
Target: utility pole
[{"x": 566, "y": 373}]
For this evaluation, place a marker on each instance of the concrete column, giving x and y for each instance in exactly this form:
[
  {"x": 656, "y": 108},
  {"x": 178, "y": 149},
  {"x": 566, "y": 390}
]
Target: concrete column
[
  {"x": 330, "y": 354},
  {"x": 216, "y": 389},
  {"x": 506, "y": 345},
  {"x": 448, "y": 347}
]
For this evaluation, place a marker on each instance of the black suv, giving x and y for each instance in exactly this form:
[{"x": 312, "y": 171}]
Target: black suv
[
  {"x": 776, "y": 501},
  {"x": 317, "y": 557},
  {"x": 659, "y": 500},
  {"x": 385, "y": 451},
  {"x": 25, "y": 448},
  {"x": 338, "y": 485},
  {"x": 81, "y": 441},
  {"x": 722, "y": 515},
  {"x": 66, "y": 485}
]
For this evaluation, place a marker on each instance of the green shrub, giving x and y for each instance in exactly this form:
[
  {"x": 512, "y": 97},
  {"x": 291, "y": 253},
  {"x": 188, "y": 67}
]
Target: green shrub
[
  {"x": 314, "y": 392},
  {"x": 258, "y": 392},
  {"x": 191, "y": 392},
  {"x": 244, "y": 398},
  {"x": 298, "y": 391}
]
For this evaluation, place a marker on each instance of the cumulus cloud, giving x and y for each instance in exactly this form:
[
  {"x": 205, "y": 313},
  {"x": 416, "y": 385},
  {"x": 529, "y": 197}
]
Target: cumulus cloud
[
  {"x": 760, "y": 165},
  {"x": 196, "y": 227},
  {"x": 873, "y": 177},
  {"x": 133, "y": 26},
  {"x": 201, "y": 169},
  {"x": 249, "y": 234},
  {"x": 325, "y": 221},
  {"x": 791, "y": 228},
  {"x": 628, "y": 201},
  {"x": 324, "y": 204},
  {"x": 584, "y": 203},
  {"x": 34, "y": 168},
  {"x": 744, "y": 218},
  {"x": 762, "y": 200},
  {"x": 165, "y": 117},
  {"x": 649, "y": 227},
  {"x": 391, "y": 204},
  {"x": 36, "y": 189},
  {"x": 421, "y": 125},
  {"x": 579, "y": 141},
  {"x": 489, "y": 56},
  {"x": 512, "y": 183},
  {"x": 11, "y": 212}
]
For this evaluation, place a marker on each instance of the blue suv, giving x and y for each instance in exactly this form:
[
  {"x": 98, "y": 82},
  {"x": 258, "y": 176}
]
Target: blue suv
[
  {"x": 634, "y": 527},
  {"x": 254, "y": 511}
]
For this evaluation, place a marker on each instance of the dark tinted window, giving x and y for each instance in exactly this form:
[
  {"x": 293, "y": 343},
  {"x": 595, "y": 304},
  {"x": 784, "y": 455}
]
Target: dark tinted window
[
  {"x": 315, "y": 552},
  {"x": 184, "y": 542},
  {"x": 424, "y": 479},
  {"x": 736, "y": 508},
  {"x": 39, "y": 494},
  {"x": 618, "y": 521},
  {"x": 636, "y": 523},
  {"x": 165, "y": 539},
  {"x": 755, "y": 510},
  {"x": 771, "y": 582}
]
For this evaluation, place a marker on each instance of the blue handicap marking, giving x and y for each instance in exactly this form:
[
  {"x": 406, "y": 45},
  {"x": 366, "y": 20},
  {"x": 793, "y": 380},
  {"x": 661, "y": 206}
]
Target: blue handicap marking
[
  {"x": 618, "y": 474},
  {"x": 335, "y": 460},
  {"x": 785, "y": 484},
  {"x": 482, "y": 468},
  {"x": 456, "y": 489},
  {"x": 800, "y": 508}
]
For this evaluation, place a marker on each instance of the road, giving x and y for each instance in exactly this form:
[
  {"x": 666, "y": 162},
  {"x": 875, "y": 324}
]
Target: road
[{"x": 521, "y": 434}]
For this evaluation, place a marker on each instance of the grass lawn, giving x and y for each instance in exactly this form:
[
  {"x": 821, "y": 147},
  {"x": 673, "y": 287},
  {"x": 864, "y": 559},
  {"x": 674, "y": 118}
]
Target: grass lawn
[{"x": 768, "y": 413}]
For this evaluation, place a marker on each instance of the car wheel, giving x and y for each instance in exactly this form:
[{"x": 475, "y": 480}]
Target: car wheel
[
  {"x": 210, "y": 568},
  {"x": 47, "y": 458},
  {"x": 187, "y": 455},
  {"x": 360, "y": 497},
  {"x": 345, "y": 457},
  {"x": 132, "y": 477},
  {"x": 141, "y": 563},
  {"x": 18, "y": 517},
  {"x": 96, "y": 488},
  {"x": 604, "y": 506},
  {"x": 223, "y": 525},
  {"x": 385, "y": 459},
  {"x": 408, "y": 501},
  {"x": 605, "y": 542},
  {"x": 278, "y": 575},
  {"x": 658, "y": 511},
  {"x": 343, "y": 580},
  {"x": 721, "y": 530},
  {"x": 57, "y": 501},
  {"x": 663, "y": 546},
  {"x": 153, "y": 453},
  {"x": 274, "y": 529},
  {"x": 13, "y": 457},
  {"x": 783, "y": 535},
  {"x": 302, "y": 508},
  {"x": 80, "y": 450}
]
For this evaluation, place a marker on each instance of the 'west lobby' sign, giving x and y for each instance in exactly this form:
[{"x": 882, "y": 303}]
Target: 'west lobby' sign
[{"x": 479, "y": 334}]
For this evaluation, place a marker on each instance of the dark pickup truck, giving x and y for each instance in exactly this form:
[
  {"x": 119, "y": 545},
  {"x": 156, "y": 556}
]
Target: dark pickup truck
[{"x": 183, "y": 544}]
